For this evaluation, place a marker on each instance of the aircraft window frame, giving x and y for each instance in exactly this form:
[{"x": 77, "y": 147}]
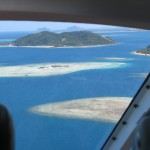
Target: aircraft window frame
[{"x": 126, "y": 125}]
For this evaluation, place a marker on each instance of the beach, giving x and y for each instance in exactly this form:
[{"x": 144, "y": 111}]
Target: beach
[
  {"x": 50, "y": 69},
  {"x": 51, "y": 46},
  {"x": 108, "y": 109},
  {"x": 140, "y": 54}
]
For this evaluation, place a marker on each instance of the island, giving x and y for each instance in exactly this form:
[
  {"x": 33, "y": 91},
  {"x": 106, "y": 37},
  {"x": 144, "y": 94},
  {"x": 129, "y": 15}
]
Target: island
[
  {"x": 108, "y": 109},
  {"x": 65, "y": 39},
  {"x": 145, "y": 51}
]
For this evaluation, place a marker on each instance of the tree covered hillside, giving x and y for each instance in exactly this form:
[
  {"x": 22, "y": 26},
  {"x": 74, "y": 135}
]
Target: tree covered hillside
[
  {"x": 144, "y": 51},
  {"x": 77, "y": 38}
]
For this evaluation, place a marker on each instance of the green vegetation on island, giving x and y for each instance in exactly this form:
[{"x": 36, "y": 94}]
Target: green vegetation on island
[
  {"x": 77, "y": 38},
  {"x": 145, "y": 51}
]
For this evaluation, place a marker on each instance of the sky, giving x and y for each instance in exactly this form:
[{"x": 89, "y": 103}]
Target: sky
[{"x": 34, "y": 25}]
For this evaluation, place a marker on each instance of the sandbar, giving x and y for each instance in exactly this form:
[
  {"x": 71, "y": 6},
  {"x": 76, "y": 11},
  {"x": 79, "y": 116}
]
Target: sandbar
[
  {"x": 139, "y": 75},
  {"x": 51, "y": 69},
  {"x": 114, "y": 58},
  {"x": 109, "y": 109}
]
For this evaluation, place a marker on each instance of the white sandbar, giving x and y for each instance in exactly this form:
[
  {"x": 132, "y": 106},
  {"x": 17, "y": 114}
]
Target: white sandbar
[
  {"x": 98, "y": 109},
  {"x": 53, "y": 68},
  {"x": 114, "y": 58},
  {"x": 139, "y": 75}
]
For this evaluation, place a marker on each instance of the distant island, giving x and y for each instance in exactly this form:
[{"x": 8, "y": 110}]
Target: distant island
[
  {"x": 145, "y": 51},
  {"x": 65, "y": 39}
]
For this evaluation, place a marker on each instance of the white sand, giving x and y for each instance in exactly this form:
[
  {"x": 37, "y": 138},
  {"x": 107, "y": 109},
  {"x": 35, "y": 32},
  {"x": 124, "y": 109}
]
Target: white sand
[
  {"x": 98, "y": 109},
  {"x": 50, "y": 46},
  {"x": 140, "y": 54},
  {"x": 53, "y": 68}
]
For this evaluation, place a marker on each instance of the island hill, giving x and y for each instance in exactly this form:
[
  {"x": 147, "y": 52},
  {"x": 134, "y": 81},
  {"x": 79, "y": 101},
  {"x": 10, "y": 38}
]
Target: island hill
[
  {"x": 145, "y": 51},
  {"x": 65, "y": 39}
]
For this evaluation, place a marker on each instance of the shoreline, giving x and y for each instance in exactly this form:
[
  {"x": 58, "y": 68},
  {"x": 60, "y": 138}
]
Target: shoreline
[
  {"x": 108, "y": 109},
  {"x": 40, "y": 46},
  {"x": 141, "y": 54}
]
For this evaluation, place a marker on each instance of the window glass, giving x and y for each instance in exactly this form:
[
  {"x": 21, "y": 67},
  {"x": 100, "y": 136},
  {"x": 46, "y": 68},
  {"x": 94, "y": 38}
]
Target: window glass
[{"x": 68, "y": 84}]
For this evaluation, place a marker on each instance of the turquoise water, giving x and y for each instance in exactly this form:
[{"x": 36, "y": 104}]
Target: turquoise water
[
  {"x": 6, "y": 40},
  {"x": 53, "y": 133}
]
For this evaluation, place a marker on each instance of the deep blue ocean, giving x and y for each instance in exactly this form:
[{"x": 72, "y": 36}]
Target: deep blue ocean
[{"x": 35, "y": 132}]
